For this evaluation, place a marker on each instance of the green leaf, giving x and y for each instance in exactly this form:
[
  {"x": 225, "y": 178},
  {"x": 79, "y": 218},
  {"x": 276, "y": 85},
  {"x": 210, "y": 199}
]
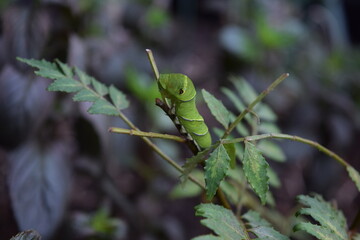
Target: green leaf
[
  {"x": 238, "y": 147},
  {"x": 192, "y": 162},
  {"x": 274, "y": 180},
  {"x": 245, "y": 90},
  {"x": 319, "y": 232},
  {"x": 102, "y": 106},
  {"x": 67, "y": 71},
  {"x": 101, "y": 221},
  {"x": 270, "y": 200},
  {"x": 141, "y": 85},
  {"x": 269, "y": 127},
  {"x": 217, "y": 108},
  {"x": 216, "y": 167},
  {"x": 221, "y": 220},
  {"x": 234, "y": 99},
  {"x": 235, "y": 178},
  {"x": 354, "y": 175},
  {"x": 237, "y": 102},
  {"x": 239, "y": 151},
  {"x": 271, "y": 150},
  {"x": 231, "y": 192},
  {"x": 237, "y": 174},
  {"x": 265, "y": 112},
  {"x": 255, "y": 168},
  {"x": 231, "y": 151},
  {"x": 240, "y": 127},
  {"x": 27, "y": 235},
  {"x": 332, "y": 221},
  {"x": 85, "y": 95},
  {"x": 261, "y": 228},
  {"x": 83, "y": 77},
  {"x": 64, "y": 81},
  {"x": 99, "y": 87},
  {"x": 207, "y": 237},
  {"x": 65, "y": 85},
  {"x": 118, "y": 98},
  {"x": 46, "y": 69}
]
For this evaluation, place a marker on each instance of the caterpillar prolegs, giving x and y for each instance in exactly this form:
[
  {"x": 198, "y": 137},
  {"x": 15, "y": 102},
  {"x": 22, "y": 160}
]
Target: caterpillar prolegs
[{"x": 181, "y": 91}]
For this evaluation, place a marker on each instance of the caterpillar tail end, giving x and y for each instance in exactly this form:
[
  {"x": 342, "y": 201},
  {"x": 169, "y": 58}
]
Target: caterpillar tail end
[{"x": 203, "y": 141}]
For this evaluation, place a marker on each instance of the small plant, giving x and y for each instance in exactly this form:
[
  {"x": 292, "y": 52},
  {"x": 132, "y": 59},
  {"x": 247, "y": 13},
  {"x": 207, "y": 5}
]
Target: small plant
[{"x": 230, "y": 169}]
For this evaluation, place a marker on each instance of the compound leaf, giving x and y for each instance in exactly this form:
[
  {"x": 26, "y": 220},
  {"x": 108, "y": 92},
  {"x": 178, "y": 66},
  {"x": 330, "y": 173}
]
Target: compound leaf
[
  {"x": 319, "y": 232},
  {"x": 354, "y": 175},
  {"x": 46, "y": 69},
  {"x": 216, "y": 167},
  {"x": 217, "y": 108},
  {"x": 274, "y": 180},
  {"x": 332, "y": 223},
  {"x": 102, "y": 106},
  {"x": 65, "y": 85},
  {"x": 255, "y": 168},
  {"x": 99, "y": 87},
  {"x": 245, "y": 90},
  {"x": 192, "y": 162},
  {"x": 231, "y": 151},
  {"x": 118, "y": 98},
  {"x": 85, "y": 95},
  {"x": 221, "y": 220},
  {"x": 271, "y": 150},
  {"x": 83, "y": 77},
  {"x": 261, "y": 228},
  {"x": 65, "y": 81},
  {"x": 65, "y": 69}
]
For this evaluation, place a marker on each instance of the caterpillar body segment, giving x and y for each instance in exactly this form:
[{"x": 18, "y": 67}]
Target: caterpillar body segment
[{"x": 182, "y": 94}]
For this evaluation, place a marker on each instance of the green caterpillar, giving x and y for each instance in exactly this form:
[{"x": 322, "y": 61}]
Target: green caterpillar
[{"x": 181, "y": 92}]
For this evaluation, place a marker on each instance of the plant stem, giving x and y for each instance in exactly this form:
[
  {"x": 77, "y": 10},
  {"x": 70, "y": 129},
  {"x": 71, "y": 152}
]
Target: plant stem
[
  {"x": 253, "y": 104},
  {"x": 290, "y": 137},
  {"x": 151, "y": 144},
  {"x": 161, "y": 153},
  {"x": 220, "y": 194},
  {"x": 146, "y": 134},
  {"x": 153, "y": 63},
  {"x": 190, "y": 143}
]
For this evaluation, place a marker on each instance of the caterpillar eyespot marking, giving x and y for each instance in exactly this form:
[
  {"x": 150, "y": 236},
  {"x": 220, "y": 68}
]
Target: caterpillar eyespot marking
[{"x": 180, "y": 90}]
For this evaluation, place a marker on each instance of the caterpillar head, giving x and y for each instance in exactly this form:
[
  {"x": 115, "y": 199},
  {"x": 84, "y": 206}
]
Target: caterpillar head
[{"x": 176, "y": 86}]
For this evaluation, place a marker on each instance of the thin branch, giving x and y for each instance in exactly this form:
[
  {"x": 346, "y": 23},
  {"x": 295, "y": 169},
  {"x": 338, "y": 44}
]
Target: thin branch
[
  {"x": 253, "y": 104},
  {"x": 220, "y": 194},
  {"x": 153, "y": 63},
  {"x": 290, "y": 137},
  {"x": 146, "y": 134},
  {"x": 161, "y": 153}
]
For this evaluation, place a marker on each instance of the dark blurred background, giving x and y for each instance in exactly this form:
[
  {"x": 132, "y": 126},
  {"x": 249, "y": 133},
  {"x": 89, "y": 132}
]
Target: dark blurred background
[{"x": 64, "y": 175}]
